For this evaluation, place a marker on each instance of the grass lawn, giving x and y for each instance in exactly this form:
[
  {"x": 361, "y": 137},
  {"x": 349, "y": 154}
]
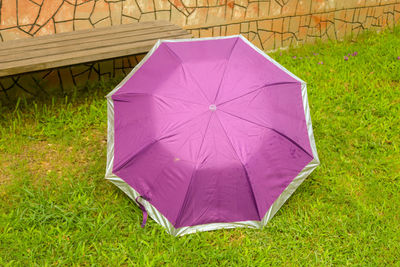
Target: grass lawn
[{"x": 57, "y": 208}]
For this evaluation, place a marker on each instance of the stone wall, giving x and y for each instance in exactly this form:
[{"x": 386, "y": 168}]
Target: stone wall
[{"x": 269, "y": 24}]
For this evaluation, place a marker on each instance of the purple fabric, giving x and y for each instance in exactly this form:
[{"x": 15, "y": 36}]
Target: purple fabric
[{"x": 209, "y": 131}]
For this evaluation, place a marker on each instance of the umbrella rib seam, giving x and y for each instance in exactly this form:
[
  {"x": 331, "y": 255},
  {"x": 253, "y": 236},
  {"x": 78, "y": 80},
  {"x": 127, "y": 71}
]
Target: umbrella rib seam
[
  {"x": 185, "y": 70},
  {"x": 185, "y": 200},
  {"x": 144, "y": 148},
  {"x": 226, "y": 67},
  {"x": 243, "y": 166},
  {"x": 152, "y": 143},
  {"x": 255, "y": 90},
  {"x": 272, "y": 129},
  {"x": 156, "y": 96}
]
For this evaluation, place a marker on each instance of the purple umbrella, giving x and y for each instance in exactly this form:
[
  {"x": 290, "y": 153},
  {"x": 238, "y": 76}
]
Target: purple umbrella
[{"x": 209, "y": 133}]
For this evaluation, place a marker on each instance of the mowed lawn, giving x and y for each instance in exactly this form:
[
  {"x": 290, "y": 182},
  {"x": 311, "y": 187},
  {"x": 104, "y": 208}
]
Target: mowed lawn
[{"x": 56, "y": 208}]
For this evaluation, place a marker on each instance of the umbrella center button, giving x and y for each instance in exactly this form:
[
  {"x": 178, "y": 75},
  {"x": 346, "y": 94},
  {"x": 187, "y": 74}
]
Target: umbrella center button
[{"x": 213, "y": 107}]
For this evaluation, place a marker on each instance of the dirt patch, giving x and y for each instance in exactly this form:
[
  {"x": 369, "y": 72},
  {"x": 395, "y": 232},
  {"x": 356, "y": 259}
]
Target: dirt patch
[
  {"x": 4, "y": 165},
  {"x": 236, "y": 238},
  {"x": 44, "y": 160}
]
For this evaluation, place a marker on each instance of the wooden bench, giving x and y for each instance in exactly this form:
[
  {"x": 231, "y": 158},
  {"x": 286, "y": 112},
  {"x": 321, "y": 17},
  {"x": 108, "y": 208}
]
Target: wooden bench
[{"x": 65, "y": 49}]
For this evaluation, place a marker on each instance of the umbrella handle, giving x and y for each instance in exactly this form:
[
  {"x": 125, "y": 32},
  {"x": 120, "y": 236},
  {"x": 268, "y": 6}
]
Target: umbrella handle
[{"x": 143, "y": 211}]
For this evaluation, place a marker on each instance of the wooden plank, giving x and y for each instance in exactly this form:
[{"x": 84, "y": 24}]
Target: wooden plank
[
  {"x": 84, "y": 44},
  {"x": 78, "y": 57},
  {"x": 92, "y": 45},
  {"x": 83, "y": 39},
  {"x": 82, "y": 33}
]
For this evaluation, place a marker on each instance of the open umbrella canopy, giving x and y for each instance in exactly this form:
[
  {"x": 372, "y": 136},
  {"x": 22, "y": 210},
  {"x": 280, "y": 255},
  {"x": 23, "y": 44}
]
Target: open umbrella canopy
[{"x": 209, "y": 133}]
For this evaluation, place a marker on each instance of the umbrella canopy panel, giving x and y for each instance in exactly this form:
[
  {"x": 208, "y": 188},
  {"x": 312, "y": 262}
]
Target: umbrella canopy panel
[{"x": 209, "y": 131}]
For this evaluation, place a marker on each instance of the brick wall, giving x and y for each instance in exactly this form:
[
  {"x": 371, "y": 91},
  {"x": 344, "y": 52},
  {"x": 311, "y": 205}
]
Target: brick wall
[{"x": 269, "y": 24}]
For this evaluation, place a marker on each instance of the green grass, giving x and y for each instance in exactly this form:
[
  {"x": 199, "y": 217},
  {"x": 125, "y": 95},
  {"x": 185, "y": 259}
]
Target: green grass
[{"x": 56, "y": 207}]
